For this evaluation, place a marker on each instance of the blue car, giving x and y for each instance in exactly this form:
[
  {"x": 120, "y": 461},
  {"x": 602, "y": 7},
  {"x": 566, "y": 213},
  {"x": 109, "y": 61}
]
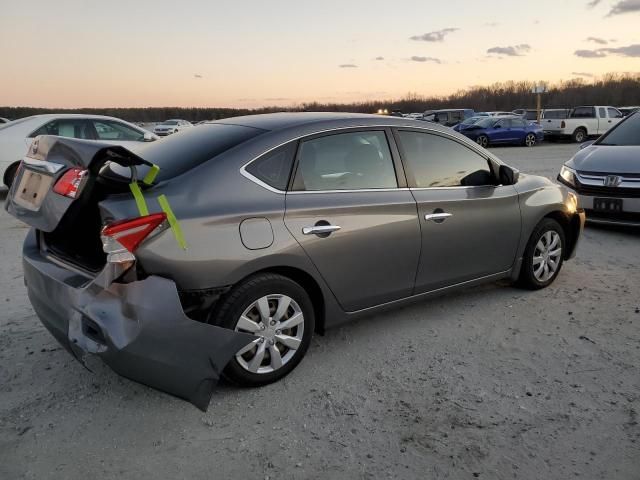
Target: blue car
[
  {"x": 466, "y": 123},
  {"x": 504, "y": 130}
]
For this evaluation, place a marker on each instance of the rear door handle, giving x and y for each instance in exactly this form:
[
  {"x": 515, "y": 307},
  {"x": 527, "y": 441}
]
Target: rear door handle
[
  {"x": 320, "y": 229},
  {"x": 437, "y": 217}
]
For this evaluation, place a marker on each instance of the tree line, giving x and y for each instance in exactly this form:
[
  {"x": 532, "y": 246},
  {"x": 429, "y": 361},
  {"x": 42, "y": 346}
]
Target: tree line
[{"x": 611, "y": 89}]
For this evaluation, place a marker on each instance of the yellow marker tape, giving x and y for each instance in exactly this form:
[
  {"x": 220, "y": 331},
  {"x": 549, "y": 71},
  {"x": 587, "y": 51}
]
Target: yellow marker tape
[
  {"x": 139, "y": 198},
  {"x": 151, "y": 175},
  {"x": 173, "y": 221}
]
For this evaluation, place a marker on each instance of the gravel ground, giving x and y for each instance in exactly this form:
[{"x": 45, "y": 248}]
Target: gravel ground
[{"x": 492, "y": 383}]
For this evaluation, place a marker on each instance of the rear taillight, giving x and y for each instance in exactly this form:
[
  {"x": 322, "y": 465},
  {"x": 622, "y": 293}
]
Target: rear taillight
[
  {"x": 120, "y": 239},
  {"x": 562, "y": 124},
  {"x": 71, "y": 183}
]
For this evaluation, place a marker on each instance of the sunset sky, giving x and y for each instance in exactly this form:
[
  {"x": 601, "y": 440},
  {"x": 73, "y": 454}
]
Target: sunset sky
[{"x": 73, "y": 53}]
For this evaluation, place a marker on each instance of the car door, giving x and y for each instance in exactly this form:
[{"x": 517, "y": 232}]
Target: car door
[
  {"x": 501, "y": 132},
  {"x": 350, "y": 210},
  {"x": 615, "y": 116},
  {"x": 470, "y": 225},
  {"x": 518, "y": 130}
]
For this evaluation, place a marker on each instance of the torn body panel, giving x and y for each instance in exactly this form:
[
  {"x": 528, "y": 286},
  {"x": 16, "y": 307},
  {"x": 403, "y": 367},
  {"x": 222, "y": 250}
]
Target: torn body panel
[{"x": 139, "y": 329}]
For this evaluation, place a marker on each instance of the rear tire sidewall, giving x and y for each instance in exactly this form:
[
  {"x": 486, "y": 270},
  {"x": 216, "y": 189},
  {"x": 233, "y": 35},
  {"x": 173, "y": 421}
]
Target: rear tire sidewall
[
  {"x": 243, "y": 295},
  {"x": 527, "y": 278}
]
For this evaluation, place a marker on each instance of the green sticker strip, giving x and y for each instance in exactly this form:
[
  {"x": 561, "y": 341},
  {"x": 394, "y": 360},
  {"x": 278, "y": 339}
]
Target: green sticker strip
[
  {"x": 173, "y": 221},
  {"x": 140, "y": 202},
  {"x": 151, "y": 175}
]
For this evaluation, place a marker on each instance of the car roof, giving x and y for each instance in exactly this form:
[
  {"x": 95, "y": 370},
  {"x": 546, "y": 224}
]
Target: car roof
[{"x": 286, "y": 120}]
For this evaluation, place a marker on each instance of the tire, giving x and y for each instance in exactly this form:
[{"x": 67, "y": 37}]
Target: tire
[
  {"x": 240, "y": 310},
  {"x": 10, "y": 174},
  {"x": 533, "y": 273},
  {"x": 579, "y": 136},
  {"x": 530, "y": 140},
  {"x": 483, "y": 141}
]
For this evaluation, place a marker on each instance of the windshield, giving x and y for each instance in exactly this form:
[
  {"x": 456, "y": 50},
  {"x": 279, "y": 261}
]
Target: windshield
[
  {"x": 472, "y": 120},
  {"x": 626, "y": 133},
  {"x": 170, "y": 122}
]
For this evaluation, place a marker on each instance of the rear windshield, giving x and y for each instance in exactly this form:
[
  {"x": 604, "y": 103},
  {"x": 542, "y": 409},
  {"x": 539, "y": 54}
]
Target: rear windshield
[
  {"x": 626, "y": 133},
  {"x": 177, "y": 154}
]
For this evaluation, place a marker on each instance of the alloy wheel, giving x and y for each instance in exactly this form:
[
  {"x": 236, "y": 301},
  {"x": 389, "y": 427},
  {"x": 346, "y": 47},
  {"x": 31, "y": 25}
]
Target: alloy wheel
[
  {"x": 483, "y": 141},
  {"x": 530, "y": 140},
  {"x": 277, "y": 322},
  {"x": 546, "y": 256}
]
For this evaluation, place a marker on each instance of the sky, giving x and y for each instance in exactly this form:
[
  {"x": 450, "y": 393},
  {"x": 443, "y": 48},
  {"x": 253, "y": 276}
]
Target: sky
[{"x": 252, "y": 53}]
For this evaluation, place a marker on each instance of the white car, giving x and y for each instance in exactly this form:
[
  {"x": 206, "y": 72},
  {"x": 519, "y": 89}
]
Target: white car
[
  {"x": 4, "y": 121},
  {"x": 171, "y": 126},
  {"x": 583, "y": 122},
  {"x": 16, "y": 137}
]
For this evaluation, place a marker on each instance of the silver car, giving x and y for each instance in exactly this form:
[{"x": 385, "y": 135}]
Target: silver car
[
  {"x": 606, "y": 175},
  {"x": 223, "y": 249}
]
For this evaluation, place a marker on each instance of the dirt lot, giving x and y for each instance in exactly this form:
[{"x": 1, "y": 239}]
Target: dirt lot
[{"x": 490, "y": 383}]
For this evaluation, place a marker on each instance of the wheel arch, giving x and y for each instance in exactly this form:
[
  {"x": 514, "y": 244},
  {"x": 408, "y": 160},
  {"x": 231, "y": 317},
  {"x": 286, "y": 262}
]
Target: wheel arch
[
  {"x": 11, "y": 169},
  {"x": 309, "y": 284},
  {"x": 571, "y": 227}
]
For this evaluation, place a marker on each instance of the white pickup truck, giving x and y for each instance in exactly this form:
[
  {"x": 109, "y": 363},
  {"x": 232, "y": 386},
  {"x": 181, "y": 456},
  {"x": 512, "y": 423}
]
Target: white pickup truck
[{"x": 582, "y": 123}]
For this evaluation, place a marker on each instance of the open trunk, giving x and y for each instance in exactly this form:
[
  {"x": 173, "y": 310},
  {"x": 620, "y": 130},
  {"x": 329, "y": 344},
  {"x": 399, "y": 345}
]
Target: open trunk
[{"x": 69, "y": 224}]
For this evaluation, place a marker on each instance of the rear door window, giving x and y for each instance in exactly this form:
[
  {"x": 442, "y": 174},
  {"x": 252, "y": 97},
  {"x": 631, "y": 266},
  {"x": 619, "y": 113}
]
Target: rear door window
[
  {"x": 346, "y": 161},
  {"x": 70, "y": 128}
]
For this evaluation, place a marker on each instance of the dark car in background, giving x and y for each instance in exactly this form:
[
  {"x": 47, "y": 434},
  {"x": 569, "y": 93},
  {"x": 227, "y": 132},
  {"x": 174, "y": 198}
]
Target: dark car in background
[
  {"x": 512, "y": 130},
  {"x": 606, "y": 175},
  {"x": 259, "y": 231},
  {"x": 626, "y": 111},
  {"x": 448, "y": 118}
]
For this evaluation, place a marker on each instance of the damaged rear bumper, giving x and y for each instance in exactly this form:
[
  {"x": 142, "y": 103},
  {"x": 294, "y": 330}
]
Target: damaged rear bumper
[{"x": 139, "y": 329}]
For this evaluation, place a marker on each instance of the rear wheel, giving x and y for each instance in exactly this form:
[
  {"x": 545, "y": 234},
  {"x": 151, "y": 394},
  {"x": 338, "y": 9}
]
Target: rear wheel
[
  {"x": 530, "y": 140},
  {"x": 10, "y": 173},
  {"x": 580, "y": 135},
  {"x": 483, "y": 141},
  {"x": 543, "y": 258},
  {"x": 278, "y": 312}
]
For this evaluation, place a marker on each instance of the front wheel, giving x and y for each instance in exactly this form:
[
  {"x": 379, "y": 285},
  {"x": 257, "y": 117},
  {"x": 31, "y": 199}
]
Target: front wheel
[
  {"x": 483, "y": 141},
  {"x": 278, "y": 312},
  {"x": 530, "y": 140},
  {"x": 542, "y": 259},
  {"x": 10, "y": 173}
]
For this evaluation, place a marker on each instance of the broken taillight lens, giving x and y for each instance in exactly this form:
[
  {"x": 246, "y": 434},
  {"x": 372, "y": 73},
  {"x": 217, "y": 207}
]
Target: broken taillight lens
[
  {"x": 71, "y": 183},
  {"x": 120, "y": 239}
]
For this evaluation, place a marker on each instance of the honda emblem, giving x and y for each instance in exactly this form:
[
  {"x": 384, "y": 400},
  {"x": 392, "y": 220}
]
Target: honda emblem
[{"x": 612, "y": 181}]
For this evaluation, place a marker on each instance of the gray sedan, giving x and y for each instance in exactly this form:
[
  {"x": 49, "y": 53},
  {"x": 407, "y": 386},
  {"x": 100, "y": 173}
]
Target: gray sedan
[
  {"x": 223, "y": 249},
  {"x": 606, "y": 175}
]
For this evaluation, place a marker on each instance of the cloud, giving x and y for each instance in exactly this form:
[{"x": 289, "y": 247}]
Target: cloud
[
  {"x": 625, "y": 6},
  {"x": 593, "y": 3},
  {"x": 197, "y": 75},
  {"x": 599, "y": 41},
  {"x": 379, "y": 58},
  {"x": 418, "y": 59},
  {"x": 632, "y": 51},
  {"x": 512, "y": 51},
  {"x": 437, "y": 36},
  {"x": 491, "y": 24},
  {"x": 582, "y": 74},
  {"x": 348, "y": 65}
]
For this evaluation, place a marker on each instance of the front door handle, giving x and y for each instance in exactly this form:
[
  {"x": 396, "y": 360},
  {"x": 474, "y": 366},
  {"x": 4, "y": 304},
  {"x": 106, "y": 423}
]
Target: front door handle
[
  {"x": 437, "y": 217},
  {"x": 324, "y": 230}
]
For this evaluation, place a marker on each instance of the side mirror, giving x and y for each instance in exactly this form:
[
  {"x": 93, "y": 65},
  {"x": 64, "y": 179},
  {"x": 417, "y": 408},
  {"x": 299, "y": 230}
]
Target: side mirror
[
  {"x": 508, "y": 175},
  {"x": 148, "y": 137},
  {"x": 586, "y": 144}
]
